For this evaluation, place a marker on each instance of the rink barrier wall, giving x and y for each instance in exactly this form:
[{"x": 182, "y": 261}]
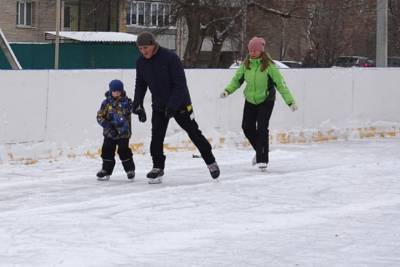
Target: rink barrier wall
[{"x": 51, "y": 114}]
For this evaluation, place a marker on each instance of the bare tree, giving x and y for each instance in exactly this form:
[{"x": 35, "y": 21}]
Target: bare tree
[
  {"x": 207, "y": 18},
  {"x": 193, "y": 13},
  {"x": 345, "y": 27},
  {"x": 291, "y": 14},
  {"x": 326, "y": 28},
  {"x": 219, "y": 30},
  {"x": 220, "y": 20},
  {"x": 394, "y": 28},
  {"x": 282, "y": 23}
]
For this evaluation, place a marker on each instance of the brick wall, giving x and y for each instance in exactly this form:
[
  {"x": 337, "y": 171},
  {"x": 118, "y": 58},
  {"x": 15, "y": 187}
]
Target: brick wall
[{"x": 43, "y": 19}]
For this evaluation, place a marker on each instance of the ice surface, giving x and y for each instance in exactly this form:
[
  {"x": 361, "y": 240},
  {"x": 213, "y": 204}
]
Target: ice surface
[{"x": 331, "y": 204}]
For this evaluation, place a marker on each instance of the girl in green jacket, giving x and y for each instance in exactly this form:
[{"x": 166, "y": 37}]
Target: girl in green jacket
[{"x": 261, "y": 77}]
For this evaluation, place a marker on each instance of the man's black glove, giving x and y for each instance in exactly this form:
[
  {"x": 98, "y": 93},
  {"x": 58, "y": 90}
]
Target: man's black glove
[
  {"x": 142, "y": 115},
  {"x": 139, "y": 110},
  {"x": 169, "y": 113}
]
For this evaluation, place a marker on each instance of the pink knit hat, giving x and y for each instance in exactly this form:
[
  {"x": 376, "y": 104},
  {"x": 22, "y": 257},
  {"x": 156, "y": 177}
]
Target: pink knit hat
[{"x": 257, "y": 43}]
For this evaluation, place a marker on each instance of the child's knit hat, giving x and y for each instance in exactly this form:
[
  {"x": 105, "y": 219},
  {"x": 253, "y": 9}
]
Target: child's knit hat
[{"x": 116, "y": 85}]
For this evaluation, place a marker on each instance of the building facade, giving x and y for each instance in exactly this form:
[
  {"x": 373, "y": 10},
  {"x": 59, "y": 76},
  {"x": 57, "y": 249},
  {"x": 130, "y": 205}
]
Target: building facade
[
  {"x": 154, "y": 16},
  {"x": 28, "y": 20},
  {"x": 158, "y": 16}
]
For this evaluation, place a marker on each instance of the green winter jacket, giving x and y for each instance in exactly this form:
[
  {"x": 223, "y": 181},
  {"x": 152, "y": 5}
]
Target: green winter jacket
[{"x": 257, "y": 82}]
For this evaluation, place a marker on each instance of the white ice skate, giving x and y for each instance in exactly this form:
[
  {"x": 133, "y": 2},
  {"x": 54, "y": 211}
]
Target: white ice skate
[{"x": 262, "y": 166}]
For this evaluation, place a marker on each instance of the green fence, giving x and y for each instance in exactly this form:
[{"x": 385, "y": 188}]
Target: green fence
[{"x": 74, "y": 56}]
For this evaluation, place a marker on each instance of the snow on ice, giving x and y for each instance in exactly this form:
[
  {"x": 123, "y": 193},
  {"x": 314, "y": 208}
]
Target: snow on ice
[{"x": 330, "y": 204}]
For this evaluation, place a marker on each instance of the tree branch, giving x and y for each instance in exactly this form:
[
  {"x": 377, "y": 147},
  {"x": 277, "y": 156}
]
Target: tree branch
[{"x": 273, "y": 11}]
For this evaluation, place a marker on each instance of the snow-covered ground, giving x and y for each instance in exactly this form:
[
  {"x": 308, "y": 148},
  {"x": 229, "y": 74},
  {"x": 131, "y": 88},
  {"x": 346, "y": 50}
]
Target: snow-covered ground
[{"x": 331, "y": 204}]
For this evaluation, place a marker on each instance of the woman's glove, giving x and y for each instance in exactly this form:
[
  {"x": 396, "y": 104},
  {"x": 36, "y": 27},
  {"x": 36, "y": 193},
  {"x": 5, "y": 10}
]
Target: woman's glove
[
  {"x": 224, "y": 94},
  {"x": 293, "y": 107}
]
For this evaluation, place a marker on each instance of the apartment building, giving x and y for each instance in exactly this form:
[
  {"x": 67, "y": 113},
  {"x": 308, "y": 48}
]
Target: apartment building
[
  {"x": 28, "y": 20},
  {"x": 154, "y": 16}
]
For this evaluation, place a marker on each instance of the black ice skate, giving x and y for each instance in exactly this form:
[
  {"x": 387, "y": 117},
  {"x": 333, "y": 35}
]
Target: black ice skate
[
  {"x": 214, "y": 170},
  {"x": 103, "y": 175},
  {"x": 130, "y": 174},
  {"x": 155, "y": 176}
]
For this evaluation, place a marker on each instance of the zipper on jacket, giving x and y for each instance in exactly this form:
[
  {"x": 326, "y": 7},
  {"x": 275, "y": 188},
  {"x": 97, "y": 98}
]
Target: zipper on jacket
[{"x": 255, "y": 88}]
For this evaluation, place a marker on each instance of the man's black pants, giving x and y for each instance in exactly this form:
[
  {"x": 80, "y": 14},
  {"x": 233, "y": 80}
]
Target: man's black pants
[
  {"x": 159, "y": 124},
  {"x": 255, "y": 125},
  {"x": 124, "y": 152}
]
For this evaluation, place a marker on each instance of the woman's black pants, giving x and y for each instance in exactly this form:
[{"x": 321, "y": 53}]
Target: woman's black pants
[{"x": 255, "y": 125}]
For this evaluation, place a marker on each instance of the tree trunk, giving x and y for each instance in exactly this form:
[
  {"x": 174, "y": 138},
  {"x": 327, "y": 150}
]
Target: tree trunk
[
  {"x": 108, "y": 16},
  {"x": 195, "y": 41},
  {"x": 79, "y": 14},
  {"x": 216, "y": 54}
]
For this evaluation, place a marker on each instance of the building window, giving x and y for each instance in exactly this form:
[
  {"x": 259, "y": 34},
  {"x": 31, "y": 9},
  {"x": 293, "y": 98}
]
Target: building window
[
  {"x": 160, "y": 15},
  {"x": 149, "y": 14},
  {"x": 67, "y": 18},
  {"x": 140, "y": 13},
  {"x": 154, "y": 14},
  {"x": 24, "y": 13}
]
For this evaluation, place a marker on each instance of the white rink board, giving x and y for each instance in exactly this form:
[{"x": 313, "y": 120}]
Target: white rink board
[
  {"x": 376, "y": 95},
  {"x": 23, "y": 104},
  {"x": 326, "y": 98},
  {"x": 75, "y": 98}
]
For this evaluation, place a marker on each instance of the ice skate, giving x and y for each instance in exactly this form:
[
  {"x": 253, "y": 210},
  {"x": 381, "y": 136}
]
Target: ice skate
[
  {"x": 155, "y": 176},
  {"x": 214, "y": 170},
  {"x": 103, "y": 175},
  {"x": 262, "y": 166},
  {"x": 130, "y": 174}
]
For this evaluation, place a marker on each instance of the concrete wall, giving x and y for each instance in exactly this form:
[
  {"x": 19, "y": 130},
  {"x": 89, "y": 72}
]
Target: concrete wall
[{"x": 59, "y": 107}]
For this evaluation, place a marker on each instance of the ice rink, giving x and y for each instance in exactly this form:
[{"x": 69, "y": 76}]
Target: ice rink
[{"x": 330, "y": 204}]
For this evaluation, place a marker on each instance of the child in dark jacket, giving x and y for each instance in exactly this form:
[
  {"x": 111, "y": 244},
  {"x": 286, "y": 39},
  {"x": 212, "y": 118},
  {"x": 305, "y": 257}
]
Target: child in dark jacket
[{"x": 115, "y": 118}]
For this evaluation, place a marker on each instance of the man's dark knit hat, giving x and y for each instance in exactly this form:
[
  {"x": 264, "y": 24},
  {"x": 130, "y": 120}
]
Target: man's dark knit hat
[{"x": 146, "y": 38}]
